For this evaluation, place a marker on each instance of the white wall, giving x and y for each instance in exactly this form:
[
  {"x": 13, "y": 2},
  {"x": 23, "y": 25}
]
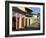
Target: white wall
[{"x": 2, "y": 19}]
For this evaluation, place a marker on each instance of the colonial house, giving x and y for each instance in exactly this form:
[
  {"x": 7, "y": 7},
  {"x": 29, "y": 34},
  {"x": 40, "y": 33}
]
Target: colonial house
[{"x": 22, "y": 17}]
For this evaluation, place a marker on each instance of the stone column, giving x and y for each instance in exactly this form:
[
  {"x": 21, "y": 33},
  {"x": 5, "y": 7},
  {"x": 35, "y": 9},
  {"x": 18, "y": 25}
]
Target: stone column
[
  {"x": 27, "y": 22},
  {"x": 20, "y": 22}
]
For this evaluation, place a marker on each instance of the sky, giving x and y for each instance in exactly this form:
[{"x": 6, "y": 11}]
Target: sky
[{"x": 35, "y": 10}]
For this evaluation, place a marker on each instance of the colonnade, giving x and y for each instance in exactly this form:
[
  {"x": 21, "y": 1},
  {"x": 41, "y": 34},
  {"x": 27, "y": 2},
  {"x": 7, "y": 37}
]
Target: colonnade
[{"x": 23, "y": 21}]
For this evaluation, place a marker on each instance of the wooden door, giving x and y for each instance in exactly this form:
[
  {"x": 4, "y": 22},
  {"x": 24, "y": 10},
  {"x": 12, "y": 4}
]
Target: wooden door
[{"x": 13, "y": 23}]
